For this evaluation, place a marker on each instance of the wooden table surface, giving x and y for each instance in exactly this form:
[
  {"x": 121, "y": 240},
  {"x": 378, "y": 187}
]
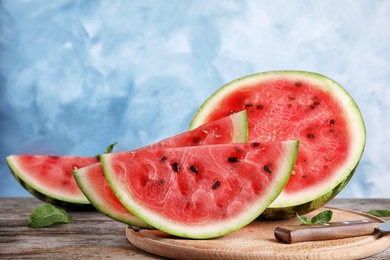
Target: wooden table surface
[{"x": 92, "y": 235}]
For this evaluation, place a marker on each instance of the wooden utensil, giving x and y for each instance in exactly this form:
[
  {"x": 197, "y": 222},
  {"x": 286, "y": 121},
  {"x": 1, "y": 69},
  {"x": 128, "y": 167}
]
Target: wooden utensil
[{"x": 335, "y": 230}]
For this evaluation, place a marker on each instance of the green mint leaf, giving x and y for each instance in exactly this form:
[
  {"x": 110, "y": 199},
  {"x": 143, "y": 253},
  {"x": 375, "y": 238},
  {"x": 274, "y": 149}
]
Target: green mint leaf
[
  {"x": 303, "y": 220},
  {"x": 47, "y": 215},
  {"x": 110, "y": 147},
  {"x": 379, "y": 212},
  {"x": 322, "y": 217}
]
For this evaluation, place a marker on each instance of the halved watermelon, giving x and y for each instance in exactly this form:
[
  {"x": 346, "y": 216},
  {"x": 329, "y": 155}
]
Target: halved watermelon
[
  {"x": 49, "y": 178},
  {"x": 91, "y": 180},
  {"x": 297, "y": 105},
  {"x": 200, "y": 191}
]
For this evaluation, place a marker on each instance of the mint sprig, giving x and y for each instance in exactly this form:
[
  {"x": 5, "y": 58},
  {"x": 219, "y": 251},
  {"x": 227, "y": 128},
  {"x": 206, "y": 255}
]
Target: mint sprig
[
  {"x": 47, "y": 215},
  {"x": 110, "y": 147},
  {"x": 321, "y": 218},
  {"x": 379, "y": 212}
]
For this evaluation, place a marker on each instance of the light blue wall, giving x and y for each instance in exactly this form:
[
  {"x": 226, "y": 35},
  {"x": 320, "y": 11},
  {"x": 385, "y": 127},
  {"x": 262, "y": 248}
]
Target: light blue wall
[{"x": 77, "y": 75}]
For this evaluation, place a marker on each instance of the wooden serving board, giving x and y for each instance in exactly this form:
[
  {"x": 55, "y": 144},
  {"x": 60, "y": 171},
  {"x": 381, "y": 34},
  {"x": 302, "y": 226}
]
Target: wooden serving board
[{"x": 257, "y": 241}]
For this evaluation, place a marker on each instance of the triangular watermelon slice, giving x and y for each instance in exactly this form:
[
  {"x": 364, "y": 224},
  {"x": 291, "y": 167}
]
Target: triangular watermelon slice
[
  {"x": 49, "y": 178},
  {"x": 200, "y": 191},
  {"x": 91, "y": 180}
]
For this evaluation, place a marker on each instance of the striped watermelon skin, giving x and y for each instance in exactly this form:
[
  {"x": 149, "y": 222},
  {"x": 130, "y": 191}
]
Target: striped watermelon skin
[{"x": 50, "y": 178}]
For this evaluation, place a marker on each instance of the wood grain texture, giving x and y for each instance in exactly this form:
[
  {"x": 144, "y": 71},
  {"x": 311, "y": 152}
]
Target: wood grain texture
[
  {"x": 257, "y": 241},
  {"x": 91, "y": 235}
]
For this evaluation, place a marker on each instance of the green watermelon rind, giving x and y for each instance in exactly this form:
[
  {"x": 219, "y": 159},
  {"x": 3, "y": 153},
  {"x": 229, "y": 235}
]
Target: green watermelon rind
[
  {"x": 94, "y": 199},
  {"x": 43, "y": 194},
  {"x": 240, "y": 123},
  {"x": 285, "y": 205},
  {"x": 211, "y": 229},
  {"x": 291, "y": 211}
]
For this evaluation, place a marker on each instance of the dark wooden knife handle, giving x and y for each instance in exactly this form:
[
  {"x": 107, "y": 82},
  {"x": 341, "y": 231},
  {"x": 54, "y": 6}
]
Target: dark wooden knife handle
[{"x": 335, "y": 230}]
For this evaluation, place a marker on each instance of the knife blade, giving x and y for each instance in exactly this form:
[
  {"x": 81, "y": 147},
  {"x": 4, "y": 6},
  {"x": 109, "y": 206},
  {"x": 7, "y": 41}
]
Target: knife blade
[{"x": 333, "y": 230}]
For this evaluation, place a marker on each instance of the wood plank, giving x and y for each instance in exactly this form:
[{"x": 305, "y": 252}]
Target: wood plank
[
  {"x": 91, "y": 235},
  {"x": 362, "y": 205}
]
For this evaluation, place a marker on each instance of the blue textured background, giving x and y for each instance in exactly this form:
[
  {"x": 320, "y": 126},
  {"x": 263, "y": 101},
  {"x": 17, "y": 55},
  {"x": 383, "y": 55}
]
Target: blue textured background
[{"x": 76, "y": 76}]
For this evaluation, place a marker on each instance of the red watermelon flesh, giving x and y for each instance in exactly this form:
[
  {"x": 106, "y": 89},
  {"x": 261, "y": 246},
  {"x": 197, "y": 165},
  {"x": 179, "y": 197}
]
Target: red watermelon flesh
[
  {"x": 303, "y": 112},
  {"x": 298, "y": 105},
  {"x": 50, "y": 178},
  {"x": 200, "y": 191},
  {"x": 91, "y": 180}
]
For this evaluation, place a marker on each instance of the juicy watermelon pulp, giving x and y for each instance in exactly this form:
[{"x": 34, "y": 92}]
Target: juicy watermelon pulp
[
  {"x": 200, "y": 191},
  {"x": 299, "y": 105},
  {"x": 50, "y": 178},
  {"x": 91, "y": 180}
]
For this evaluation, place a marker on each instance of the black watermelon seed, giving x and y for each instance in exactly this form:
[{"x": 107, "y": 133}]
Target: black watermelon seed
[
  {"x": 259, "y": 107},
  {"x": 332, "y": 122},
  {"x": 248, "y": 105},
  {"x": 194, "y": 169},
  {"x": 255, "y": 144},
  {"x": 216, "y": 185},
  {"x": 163, "y": 159},
  {"x": 197, "y": 140},
  {"x": 232, "y": 112},
  {"x": 311, "y": 136},
  {"x": 267, "y": 169},
  {"x": 298, "y": 84},
  {"x": 233, "y": 159},
  {"x": 175, "y": 167}
]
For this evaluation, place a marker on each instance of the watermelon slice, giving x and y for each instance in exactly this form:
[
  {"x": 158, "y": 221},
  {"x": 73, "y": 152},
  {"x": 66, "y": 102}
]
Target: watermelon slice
[
  {"x": 91, "y": 180},
  {"x": 297, "y": 105},
  {"x": 200, "y": 191},
  {"x": 49, "y": 178}
]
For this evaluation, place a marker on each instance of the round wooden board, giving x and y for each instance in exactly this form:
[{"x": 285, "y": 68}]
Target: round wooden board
[{"x": 257, "y": 241}]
